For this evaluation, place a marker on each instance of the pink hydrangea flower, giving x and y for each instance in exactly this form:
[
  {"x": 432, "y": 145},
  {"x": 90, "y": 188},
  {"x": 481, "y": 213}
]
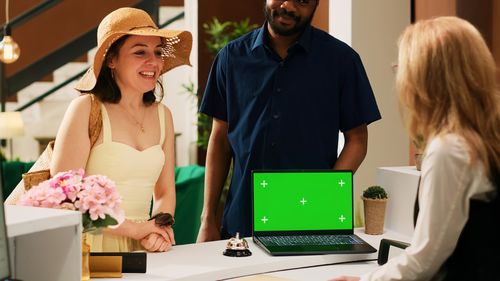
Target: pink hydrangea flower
[{"x": 95, "y": 196}]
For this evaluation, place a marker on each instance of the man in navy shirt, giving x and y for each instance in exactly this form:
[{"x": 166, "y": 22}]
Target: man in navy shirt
[{"x": 278, "y": 97}]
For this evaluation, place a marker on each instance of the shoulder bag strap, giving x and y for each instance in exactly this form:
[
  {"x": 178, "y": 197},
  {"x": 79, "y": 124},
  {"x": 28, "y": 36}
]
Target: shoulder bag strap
[{"x": 95, "y": 120}]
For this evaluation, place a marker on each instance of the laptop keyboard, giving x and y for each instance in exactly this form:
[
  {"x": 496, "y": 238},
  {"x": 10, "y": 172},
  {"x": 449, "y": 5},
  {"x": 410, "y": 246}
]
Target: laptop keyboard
[{"x": 310, "y": 240}]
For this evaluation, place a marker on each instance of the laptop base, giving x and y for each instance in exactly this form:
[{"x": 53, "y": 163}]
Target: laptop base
[{"x": 294, "y": 250}]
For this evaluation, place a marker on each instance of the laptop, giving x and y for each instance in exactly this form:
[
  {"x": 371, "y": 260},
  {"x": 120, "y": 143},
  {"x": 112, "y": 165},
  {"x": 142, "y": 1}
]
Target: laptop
[{"x": 305, "y": 212}]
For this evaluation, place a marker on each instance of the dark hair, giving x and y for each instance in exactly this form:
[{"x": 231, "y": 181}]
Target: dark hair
[{"x": 106, "y": 88}]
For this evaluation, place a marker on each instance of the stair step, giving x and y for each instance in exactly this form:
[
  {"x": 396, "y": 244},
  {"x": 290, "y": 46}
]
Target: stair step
[
  {"x": 166, "y": 13},
  {"x": 66, "y": 71},
  {"x": 38, "y": 88},
  {"x": 50, "y": 115},
  {"x": 41, "y": 120}
]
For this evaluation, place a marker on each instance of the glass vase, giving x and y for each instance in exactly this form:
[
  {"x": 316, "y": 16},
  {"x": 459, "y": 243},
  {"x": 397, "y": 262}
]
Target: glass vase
[{"x": 85, "y": 258}]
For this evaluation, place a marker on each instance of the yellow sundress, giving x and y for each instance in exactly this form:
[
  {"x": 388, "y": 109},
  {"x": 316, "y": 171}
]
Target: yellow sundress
[{"x": 135, "y": 174}]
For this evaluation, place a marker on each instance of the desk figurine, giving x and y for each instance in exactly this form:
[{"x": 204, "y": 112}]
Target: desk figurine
[{"x": 237, "y": 247}]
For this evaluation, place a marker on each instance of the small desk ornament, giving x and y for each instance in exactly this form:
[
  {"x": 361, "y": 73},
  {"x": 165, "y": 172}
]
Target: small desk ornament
[{"x": 237, "y": 247}]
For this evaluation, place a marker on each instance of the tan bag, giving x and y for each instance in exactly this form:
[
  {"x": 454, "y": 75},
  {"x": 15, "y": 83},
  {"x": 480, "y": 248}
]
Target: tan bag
[{"x": 40, "y": 171}]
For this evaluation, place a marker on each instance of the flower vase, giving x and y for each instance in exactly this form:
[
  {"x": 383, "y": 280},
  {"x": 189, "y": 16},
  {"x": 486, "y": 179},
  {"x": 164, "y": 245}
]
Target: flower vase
[{"x": 85, "y": 258}]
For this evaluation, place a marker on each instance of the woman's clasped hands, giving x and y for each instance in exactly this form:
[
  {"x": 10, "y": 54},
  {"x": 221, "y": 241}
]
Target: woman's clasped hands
[{"x": 154, "y": 237}]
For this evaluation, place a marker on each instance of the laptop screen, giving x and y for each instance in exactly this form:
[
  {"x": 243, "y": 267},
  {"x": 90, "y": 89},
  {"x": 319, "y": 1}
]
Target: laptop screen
[
  {"x": 302, "y": 200},
  {"x": 4, "y": 252}
]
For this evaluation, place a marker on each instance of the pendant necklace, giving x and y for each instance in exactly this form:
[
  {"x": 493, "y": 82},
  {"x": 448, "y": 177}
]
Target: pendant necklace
[{"x": 137, "y": 123}]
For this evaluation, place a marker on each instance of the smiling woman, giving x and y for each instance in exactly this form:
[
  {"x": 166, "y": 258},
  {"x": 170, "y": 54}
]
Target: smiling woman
[
  {"x": 136, "y": 145},
  {"x": 137, "y": 64}
]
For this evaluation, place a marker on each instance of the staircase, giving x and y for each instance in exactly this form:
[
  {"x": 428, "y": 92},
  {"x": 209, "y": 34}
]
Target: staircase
[{"x": 43, "y": 118}]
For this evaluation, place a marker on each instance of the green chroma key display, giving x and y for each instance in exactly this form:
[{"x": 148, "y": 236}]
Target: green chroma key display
[{"x": 302, "y": 201}]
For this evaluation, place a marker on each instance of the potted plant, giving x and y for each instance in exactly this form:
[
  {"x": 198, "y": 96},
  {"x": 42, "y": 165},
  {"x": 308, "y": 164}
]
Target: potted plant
[
  {"x": 219, "y": 35},
  {"x": 374, "y": 203}
]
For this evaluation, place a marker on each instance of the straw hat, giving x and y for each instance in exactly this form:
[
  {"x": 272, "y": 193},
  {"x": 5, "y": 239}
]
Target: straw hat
[{"x": 131, "y": 21}]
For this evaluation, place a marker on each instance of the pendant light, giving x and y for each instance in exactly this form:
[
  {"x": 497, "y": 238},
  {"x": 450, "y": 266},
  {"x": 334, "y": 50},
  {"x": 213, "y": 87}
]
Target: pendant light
[{"x": 9, "y": 50}]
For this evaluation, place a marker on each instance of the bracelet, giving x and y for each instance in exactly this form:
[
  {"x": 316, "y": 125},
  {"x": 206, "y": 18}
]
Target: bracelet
[{"x": 163, "y": 219}]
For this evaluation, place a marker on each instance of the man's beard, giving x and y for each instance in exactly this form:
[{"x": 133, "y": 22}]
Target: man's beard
[{"x": 300, "y": 24}]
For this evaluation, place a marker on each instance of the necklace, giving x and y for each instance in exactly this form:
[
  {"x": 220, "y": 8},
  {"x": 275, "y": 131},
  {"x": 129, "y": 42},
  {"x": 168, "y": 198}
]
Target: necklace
[{"x": 132, "y": 117}]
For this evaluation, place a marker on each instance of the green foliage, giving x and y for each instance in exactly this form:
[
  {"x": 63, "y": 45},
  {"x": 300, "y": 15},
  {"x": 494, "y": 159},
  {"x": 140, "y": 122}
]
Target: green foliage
[
  {"x": 375, "y": 192},
  {"x": 243, "y": 27},
  {"x": 189, "y": 88},
  {"x": 220, "y": 34},
  {"x": 204, "y": 128},
  {"x": 204, "y": 122},
  {"x": 90, "y": 225}
]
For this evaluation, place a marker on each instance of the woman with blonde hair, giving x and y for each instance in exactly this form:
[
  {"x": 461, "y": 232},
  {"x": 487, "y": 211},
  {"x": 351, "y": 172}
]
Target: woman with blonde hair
[{"x": 448, "y": 93}]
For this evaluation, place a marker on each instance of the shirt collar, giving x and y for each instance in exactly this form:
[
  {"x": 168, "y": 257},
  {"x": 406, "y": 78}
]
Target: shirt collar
[
  {"x": 304, "y": 40},
  {"x": 260, "y": 39}
]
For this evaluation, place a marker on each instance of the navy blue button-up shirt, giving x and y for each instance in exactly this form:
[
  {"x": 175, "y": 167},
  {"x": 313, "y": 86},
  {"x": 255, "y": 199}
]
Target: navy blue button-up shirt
[{"x": 284, "y": 114}]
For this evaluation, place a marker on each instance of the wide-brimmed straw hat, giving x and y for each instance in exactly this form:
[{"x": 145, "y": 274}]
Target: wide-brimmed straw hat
[{"x": 131, "y": 21}]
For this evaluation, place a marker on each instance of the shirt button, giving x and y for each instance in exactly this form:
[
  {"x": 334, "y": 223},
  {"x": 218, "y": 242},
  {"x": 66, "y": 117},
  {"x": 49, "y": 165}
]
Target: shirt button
[
  {"x": 276, "y": 116},
  {"x": 278, "y": 90},
  {"x": 282, "y": 64},
  {"x": 273, "y": 144}
]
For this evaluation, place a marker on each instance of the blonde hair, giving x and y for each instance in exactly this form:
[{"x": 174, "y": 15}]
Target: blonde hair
[{"x": 446, "y": 81}]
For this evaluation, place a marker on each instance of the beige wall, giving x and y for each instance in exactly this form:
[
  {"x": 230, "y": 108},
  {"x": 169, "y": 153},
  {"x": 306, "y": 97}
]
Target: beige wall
[{"x": 376, "y": 25}]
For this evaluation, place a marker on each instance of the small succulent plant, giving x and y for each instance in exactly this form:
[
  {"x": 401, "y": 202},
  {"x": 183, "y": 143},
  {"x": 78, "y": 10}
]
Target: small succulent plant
[{"x": 375, "y": 192}]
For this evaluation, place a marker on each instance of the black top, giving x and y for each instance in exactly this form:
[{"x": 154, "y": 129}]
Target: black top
[{"x": 476, "y": 254}]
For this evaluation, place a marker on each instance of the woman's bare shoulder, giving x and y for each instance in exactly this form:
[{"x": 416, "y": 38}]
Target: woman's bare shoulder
[
  {"x": 166, "y": 110},
  {"x": 81, "y": 103},
  {"x": 78, "y": 112}
]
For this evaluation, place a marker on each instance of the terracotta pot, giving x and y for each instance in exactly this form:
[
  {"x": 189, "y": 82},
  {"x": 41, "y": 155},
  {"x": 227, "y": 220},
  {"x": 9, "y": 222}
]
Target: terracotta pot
[{"x": 374, "y": 210}]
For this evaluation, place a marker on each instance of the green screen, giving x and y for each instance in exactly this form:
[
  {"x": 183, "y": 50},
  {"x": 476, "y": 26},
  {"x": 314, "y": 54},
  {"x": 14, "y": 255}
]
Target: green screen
[{"x": 302, "y": 201}]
